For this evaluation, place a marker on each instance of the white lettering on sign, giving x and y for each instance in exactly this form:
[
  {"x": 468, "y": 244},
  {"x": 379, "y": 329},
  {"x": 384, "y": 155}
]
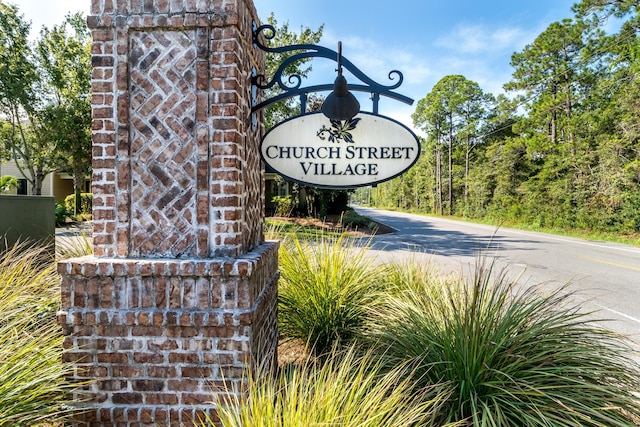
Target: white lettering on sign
[{"x": 316, "y": 151}]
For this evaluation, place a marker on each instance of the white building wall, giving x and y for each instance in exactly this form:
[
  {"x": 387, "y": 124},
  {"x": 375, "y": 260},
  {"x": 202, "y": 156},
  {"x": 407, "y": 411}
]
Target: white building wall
[{"x": 10, "y": 168}]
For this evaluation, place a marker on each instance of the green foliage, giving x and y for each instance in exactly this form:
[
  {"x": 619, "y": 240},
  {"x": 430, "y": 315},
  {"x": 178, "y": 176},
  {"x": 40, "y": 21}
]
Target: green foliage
[
  {"x": 325, "y": 289},
  {"x": 453, "y": 115},
  {"x": 284, "y": 230},
  {"x": 281, "y": 111},
  {"x": 32, "y": 378},
  {"x": 8, "y": 183},
  {"x": 346, "y": 390},
  {"x": 353, "y": 219},
  {"x": 62, "y": 213},
  {"x": 45, "y": 97},
  {"x": 64, "y": 55},
  {"x": 86, "y": 203},
  {"x": 328, "y": 202},
  {"x": 569, "y": 163},
  {"x": 438, "y": 351},
  {"x": 548, "y": 71},
  {"x": 18, "y": 73},
  {"x": 19, "y": 90},
  {"x": 284, "y": 205},
  {"x": 504, "y": 356}
]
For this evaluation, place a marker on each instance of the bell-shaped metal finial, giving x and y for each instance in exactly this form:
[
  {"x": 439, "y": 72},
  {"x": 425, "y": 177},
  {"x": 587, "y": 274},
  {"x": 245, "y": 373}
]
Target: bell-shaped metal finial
[{"x": 340, "y": 104}]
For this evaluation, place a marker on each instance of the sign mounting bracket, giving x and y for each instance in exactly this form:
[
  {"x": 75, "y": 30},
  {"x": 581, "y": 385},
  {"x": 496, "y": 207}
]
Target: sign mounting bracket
[{"x": 291, "y": 85}]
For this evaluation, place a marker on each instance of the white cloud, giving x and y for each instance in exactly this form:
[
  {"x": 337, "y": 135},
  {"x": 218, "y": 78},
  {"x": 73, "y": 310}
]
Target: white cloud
[
  {"x": 401, "y": 113},
  {"x": 49, "y": 12},
  {"x": 489, "y": 76},
  {"x": 480, "y": 39},
  {"x": 424, "y": 65},
  {"x": 377, "y": 61}
]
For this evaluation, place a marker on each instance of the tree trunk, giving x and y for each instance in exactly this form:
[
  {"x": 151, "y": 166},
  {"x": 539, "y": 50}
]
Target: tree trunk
[
  {"x": 467, "y": 156},
  {"x": 450, "y": 179},
  {"x": 568, "y": 101},
  {"x": 554, "y": 116},
  {"x": 416, "y": 192},
  {"x": 438, "y": 199},
  {"x": 36, "y": 190},
  {"x": 78, "y": 181}
]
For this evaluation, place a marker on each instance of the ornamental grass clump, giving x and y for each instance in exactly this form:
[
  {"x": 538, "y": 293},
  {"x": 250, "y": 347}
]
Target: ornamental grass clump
[
  {"x": 344, "y": 390},
  {"x": 32, "y": 386},
  {"x": 507, "y": 357},
  {"x": 416, "y": 274},
  {"x": 325, "y": 289},
  {"x": 74, "y": 246}
]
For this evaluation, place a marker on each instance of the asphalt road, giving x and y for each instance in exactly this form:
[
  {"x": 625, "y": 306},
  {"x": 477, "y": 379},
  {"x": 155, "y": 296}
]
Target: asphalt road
[{"x": 601, "y": 276}]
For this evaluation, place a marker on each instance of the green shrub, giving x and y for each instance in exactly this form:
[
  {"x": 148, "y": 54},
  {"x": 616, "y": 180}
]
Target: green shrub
[
  {"x": 325, "y": 289},
  {"x": 62, "y": 214},
  {"x": 507, "y": 357},
  {"x": 330, "y": 202},
  {"x": 284, "y": 205},
  {"x": 351, "y": 218},
  {"x": 86, "y": 200},
  {"x": 417, "y": 275},
  {"x": 32, "y": 386},
  {"x": 7, "y": 183},
  {"x": 346, "y": 391}
]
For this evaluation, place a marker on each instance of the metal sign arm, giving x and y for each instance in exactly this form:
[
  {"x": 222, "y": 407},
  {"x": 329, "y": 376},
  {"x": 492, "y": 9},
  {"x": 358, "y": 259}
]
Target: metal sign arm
[{"x": 291, "y": 85}]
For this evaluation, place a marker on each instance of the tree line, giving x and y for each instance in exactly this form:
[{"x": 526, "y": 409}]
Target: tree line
[
  {"x": 45, "y": 97},
  {"x": 561, "y": 149}
]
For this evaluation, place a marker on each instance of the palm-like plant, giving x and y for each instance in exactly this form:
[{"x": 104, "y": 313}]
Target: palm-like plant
[{"x": 506, "y": 357}]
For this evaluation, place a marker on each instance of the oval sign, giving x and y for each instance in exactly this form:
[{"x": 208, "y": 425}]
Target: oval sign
[{"x": 316, "y": 151}]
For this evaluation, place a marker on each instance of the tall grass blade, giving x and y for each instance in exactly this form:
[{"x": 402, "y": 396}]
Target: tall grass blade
[
  {"x": 32, "y": 386},
  {"x": 74, "y": 246},
  {"x": 345, "y": 390}
]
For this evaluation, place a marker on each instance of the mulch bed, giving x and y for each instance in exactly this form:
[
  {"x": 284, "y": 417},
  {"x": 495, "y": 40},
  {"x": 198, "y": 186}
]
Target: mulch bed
[{"x": 332, "y": 223}]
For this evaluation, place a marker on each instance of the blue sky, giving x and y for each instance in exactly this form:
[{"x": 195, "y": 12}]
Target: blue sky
[{"x": 424, "y": 39}]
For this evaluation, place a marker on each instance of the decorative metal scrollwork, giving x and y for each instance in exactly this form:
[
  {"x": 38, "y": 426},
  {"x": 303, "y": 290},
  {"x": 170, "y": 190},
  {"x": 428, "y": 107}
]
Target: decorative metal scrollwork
[{"x": 291, "y": 85}]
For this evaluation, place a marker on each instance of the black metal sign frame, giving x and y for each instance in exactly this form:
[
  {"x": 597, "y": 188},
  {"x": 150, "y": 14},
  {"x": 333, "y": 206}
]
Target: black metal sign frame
[{"x": 293, "y": 85}]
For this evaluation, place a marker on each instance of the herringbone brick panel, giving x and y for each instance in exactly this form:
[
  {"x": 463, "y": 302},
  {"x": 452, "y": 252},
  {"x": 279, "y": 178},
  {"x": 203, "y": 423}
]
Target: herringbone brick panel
[{"x": 163, "y": 148}]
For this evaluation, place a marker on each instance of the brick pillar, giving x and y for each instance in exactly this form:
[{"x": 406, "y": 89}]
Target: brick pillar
[{"x": 181, "y": 292}]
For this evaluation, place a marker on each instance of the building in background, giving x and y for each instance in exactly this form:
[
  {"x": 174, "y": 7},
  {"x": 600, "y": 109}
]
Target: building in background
[
  {"x": 274, "y": 186},
  {"x": 57, "y": 185}
]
